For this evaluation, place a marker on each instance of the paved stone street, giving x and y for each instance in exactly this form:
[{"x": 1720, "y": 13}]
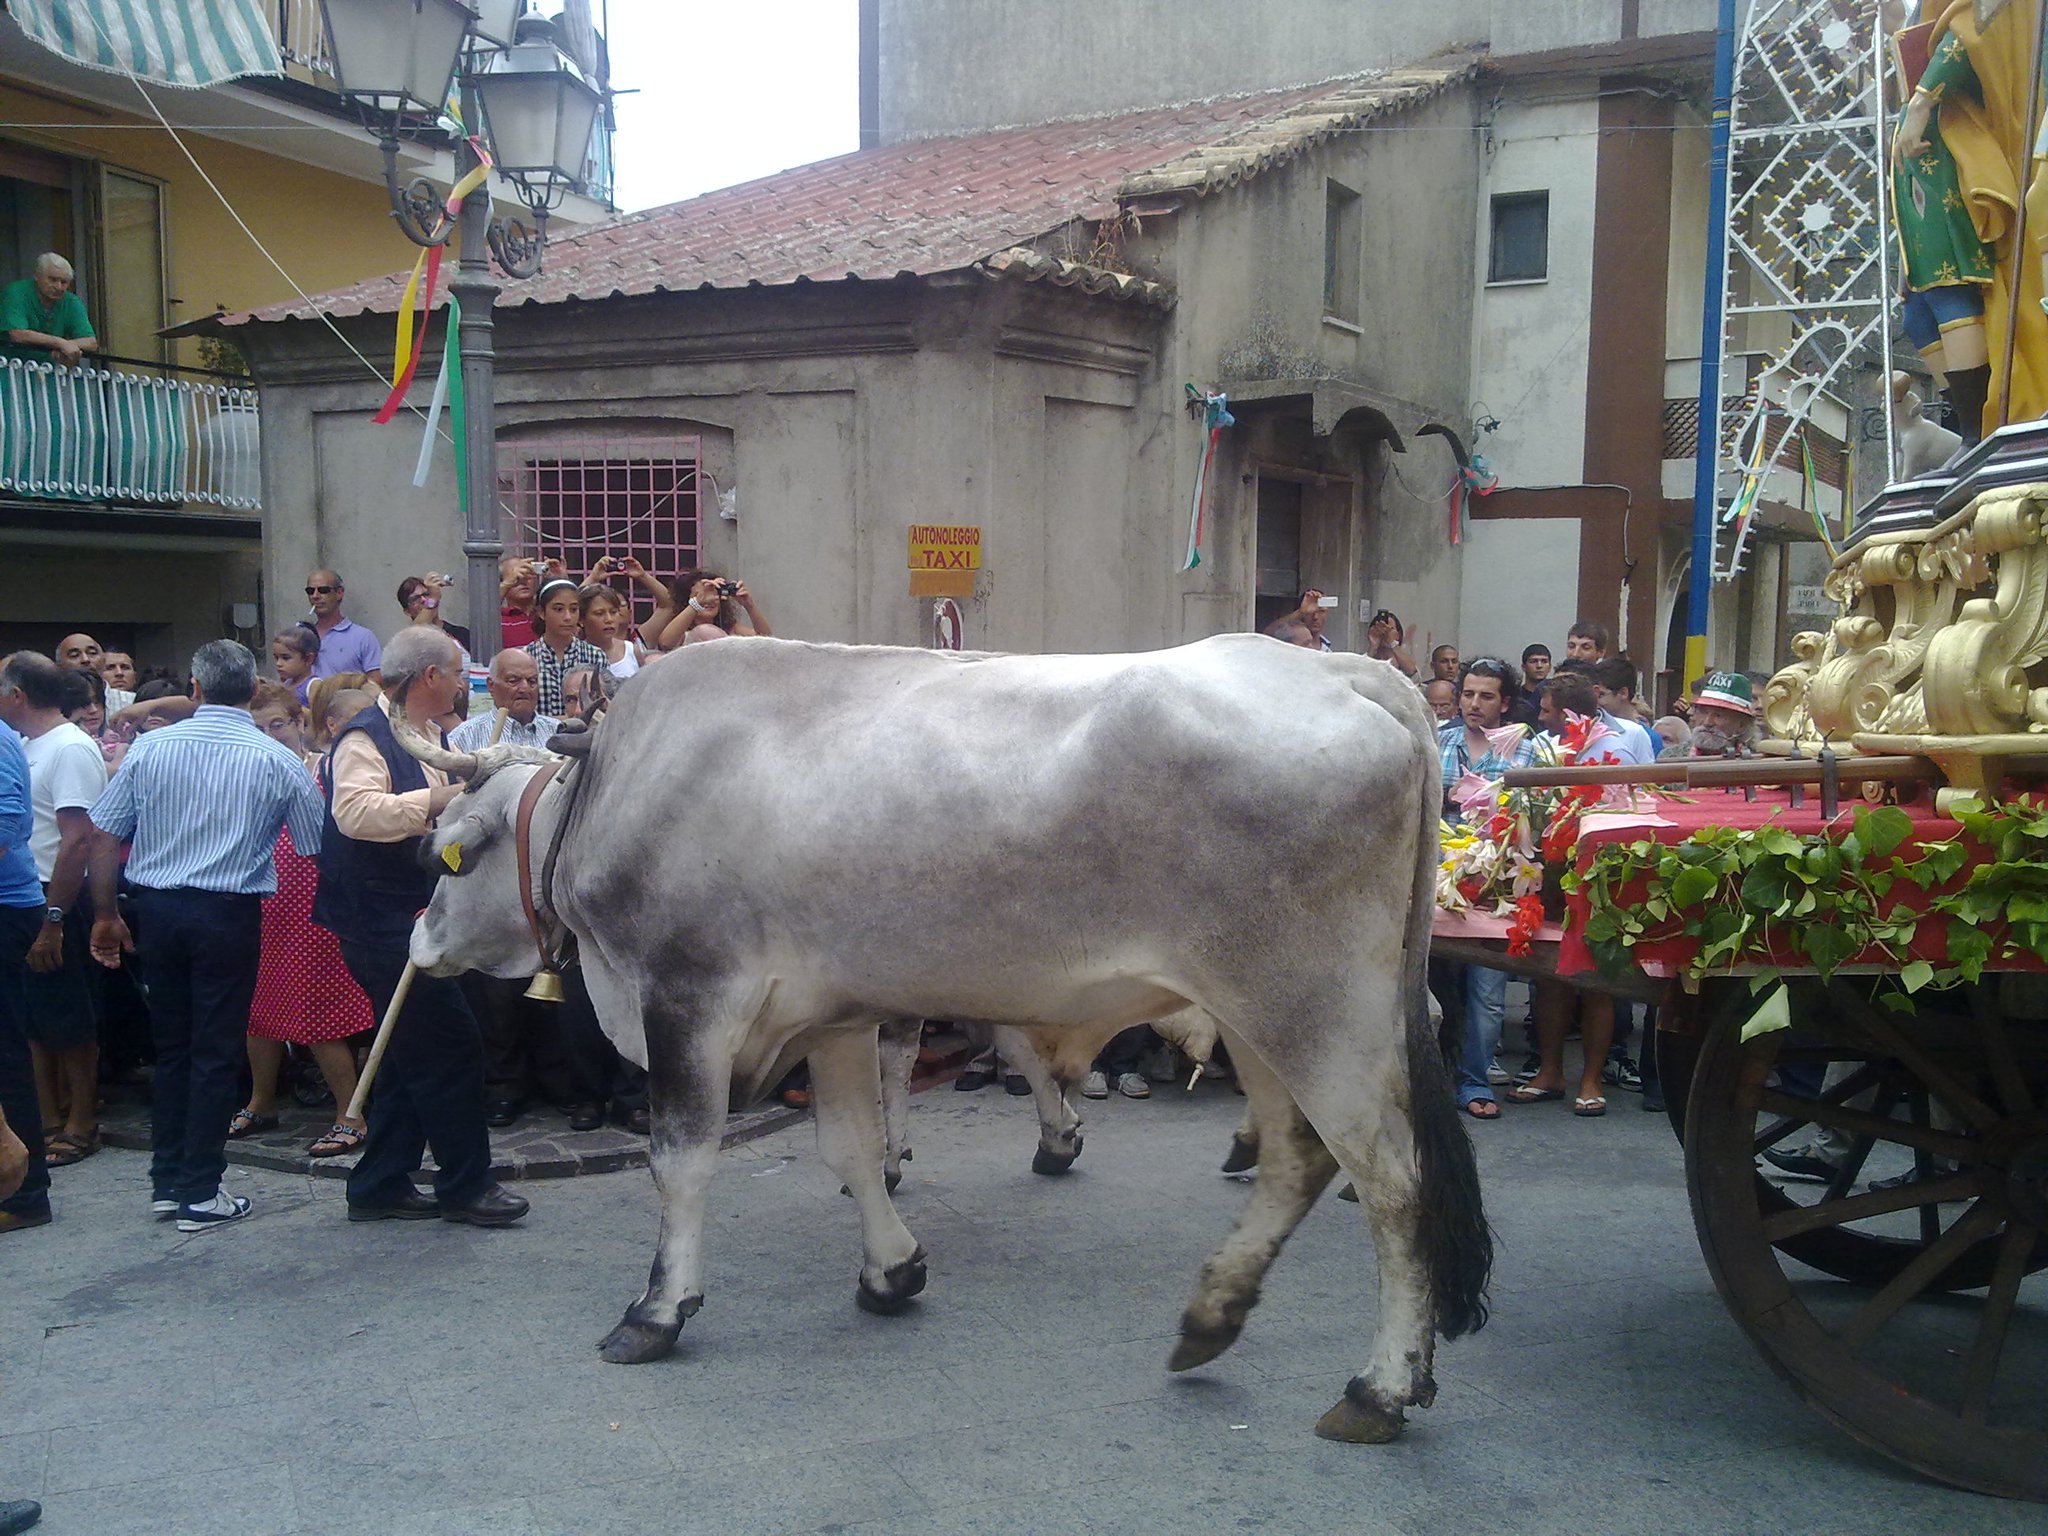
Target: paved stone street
[{"x": 296, "y": 1374}]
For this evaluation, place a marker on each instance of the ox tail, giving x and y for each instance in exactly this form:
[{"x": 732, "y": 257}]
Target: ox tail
[{"x": 1456, "y": 1242}]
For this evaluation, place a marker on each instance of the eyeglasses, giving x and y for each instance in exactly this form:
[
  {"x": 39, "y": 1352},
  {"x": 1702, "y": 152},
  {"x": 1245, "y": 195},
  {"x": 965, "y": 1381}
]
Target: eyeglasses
[{"x": 320, "y": 591}]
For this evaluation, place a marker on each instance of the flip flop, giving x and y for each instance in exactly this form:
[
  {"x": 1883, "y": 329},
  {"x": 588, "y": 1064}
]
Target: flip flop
[
  {"x": 247, "y": 1124},
  {"x": 1590, "y": 1108},
  {"x": 1522, "y": 1093},
  {"x": 338, "y": 1142},
  {"x": 1482, "y": 1109},
  {"x": 63, "y": 1148}
]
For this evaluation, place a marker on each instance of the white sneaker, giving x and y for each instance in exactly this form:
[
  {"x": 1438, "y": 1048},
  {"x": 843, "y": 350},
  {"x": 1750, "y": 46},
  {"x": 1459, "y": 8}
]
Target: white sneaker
[
  {"x": 1497, "y": 1074},
  {"x": 217, "y": 1212},
  {"x": 1094, "y": 1086},
  {"x": 1133, "y": 1086},
  {"x": 162, "y": 1210}
]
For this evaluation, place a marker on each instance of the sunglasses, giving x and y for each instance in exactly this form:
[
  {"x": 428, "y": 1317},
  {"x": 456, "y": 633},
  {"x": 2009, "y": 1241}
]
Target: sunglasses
[{"x": 320, "y": 591}]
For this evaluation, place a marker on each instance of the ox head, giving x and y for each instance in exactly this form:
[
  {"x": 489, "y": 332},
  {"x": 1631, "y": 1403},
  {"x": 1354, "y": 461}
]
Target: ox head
[{"x": 477, "y": 920}]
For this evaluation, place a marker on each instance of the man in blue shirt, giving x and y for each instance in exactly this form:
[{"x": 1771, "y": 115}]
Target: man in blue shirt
[
  {"x": 345, "y": 646},
  {"x": 21, "y": 919},
  {"x": 201, "y": 804}
]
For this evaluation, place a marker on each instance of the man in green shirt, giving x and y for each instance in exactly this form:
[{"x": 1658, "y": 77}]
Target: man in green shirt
[{"x": 40, "y": 316}]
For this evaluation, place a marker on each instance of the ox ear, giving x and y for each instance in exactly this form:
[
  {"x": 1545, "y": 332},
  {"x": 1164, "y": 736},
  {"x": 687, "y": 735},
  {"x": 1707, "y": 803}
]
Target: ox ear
[{"x": 457, "y": 843}]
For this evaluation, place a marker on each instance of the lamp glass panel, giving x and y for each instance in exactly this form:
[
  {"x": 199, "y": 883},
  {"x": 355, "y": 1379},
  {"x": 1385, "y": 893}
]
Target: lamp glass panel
[
  {"x": 579, "y": 104},
  {"x": 400, "y": 54},
  {"x": 520, "y": 109},
  {"x": 497, "y": 19}
]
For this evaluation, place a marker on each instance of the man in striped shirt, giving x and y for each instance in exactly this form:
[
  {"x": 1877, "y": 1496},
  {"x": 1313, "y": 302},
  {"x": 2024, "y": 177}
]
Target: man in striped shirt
[{"x": 200, "y": 803}]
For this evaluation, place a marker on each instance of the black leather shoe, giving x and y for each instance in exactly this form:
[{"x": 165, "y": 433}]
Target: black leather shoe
[
  {"x": 495, "y": 1207},
  {"x": 639, "y": 1121},
  {"x": 18, "y": 1515},
  {"x": 499, "y": 1113},
  {"x": 585, "y": 1117},
  {"x": 410, "y": 1206},
  {"x": 972, "y": 1081},
  {"x": 1016, "y": 1085}
]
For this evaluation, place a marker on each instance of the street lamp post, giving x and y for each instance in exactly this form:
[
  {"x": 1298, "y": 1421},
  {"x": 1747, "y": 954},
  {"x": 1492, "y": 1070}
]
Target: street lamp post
[{"x": 396, "y": 61}]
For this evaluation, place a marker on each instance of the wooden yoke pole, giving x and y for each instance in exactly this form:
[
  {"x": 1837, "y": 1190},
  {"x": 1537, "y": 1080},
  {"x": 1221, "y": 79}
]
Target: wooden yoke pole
[{"x": 376, "y": 1057}]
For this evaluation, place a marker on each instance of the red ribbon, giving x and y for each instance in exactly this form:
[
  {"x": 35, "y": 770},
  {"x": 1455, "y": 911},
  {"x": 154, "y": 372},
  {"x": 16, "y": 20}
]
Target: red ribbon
[{"x": 412, "y": 364}]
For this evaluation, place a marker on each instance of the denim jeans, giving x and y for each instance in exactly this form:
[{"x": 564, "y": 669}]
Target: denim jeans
[{"x": 1486, "y": 1004}]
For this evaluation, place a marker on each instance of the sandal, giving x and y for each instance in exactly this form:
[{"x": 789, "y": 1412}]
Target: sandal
[
  {"x": 248, "y": 1123},
  {"x": 343, "y": 1138},
  {"x": 1522, "y": 1093},
  {"x": 63, "y": 1148},
  {"x": 1590, "y": 1108},
  {"x": 1482, "y": 1109}
]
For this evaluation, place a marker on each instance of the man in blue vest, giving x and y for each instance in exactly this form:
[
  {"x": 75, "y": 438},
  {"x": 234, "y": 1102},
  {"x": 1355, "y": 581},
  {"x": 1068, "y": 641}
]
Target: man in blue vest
[{"x": 381, "y": 801}]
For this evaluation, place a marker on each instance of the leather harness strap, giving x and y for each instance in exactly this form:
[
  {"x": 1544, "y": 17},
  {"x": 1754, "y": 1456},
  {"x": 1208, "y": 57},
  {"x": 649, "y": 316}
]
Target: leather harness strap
[{"x": 521, "y": 828}]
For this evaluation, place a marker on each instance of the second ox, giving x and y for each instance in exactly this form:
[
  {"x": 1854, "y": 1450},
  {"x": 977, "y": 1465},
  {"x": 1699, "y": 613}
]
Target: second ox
[{"x": 773, "y": 848}]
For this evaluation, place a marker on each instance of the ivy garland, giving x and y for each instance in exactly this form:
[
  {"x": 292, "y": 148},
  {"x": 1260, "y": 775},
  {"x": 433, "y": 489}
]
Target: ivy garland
[{"x": 1756, "y": 895}]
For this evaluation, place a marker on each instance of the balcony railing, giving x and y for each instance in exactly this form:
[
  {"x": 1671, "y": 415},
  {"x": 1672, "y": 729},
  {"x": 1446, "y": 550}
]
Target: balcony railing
[
  {"x": 115, "y": 431},
  {"x": 302, "y": 42}
]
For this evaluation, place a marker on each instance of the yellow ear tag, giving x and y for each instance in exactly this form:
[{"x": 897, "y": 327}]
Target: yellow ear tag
[{"x": 452, "y": 857}]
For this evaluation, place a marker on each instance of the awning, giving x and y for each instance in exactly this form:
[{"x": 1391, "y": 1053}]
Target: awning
[{"x": 172, "y": 42}]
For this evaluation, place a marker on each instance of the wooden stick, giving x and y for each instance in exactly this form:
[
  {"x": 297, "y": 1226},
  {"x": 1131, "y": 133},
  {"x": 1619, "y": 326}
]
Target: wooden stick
[
  {"x": 376, "y": 1057},
  {"x": 1715, "y": 772}
]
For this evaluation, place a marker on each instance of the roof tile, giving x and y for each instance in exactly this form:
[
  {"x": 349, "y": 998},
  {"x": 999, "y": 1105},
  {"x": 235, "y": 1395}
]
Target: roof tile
[{"x": 938, "y": 205}]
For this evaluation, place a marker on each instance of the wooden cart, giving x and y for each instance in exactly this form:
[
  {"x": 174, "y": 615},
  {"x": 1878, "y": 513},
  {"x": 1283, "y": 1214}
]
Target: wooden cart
[{"x": 1909, "y": 1315}]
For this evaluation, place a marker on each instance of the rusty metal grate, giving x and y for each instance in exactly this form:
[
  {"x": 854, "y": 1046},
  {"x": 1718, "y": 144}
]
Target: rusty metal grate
[{"x": 575, "y": 500}]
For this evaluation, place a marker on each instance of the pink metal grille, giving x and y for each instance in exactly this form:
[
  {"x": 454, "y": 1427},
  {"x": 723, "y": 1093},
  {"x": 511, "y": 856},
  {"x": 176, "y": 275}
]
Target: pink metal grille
[{"x": 576, "y": 499}]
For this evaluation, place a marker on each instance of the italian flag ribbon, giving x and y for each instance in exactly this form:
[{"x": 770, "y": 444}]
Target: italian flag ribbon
[
  {"x": 1215, "y": 411},
  {"x": 411, "y": 340},
  {"x": 448, "y": 393}
]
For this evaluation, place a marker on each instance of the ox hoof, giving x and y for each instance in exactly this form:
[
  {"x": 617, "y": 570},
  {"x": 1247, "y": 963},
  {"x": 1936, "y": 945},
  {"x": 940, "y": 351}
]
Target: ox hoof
[
  {"x": 1051, "y": 1163},
  {"x": 1198, "y": 1346},
  {"x": 1244, "y": 1156},
  {"x": 904, "y": 1281},
  {"x": 634, "y": 1343},
  {"x": 1358, "y": 1419}
]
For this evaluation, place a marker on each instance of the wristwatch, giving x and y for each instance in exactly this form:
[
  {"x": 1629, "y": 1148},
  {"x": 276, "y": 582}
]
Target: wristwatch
[{"x": 54, "y": 915}]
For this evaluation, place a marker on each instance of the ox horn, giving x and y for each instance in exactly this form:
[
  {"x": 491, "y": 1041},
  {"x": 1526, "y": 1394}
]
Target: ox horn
[{"x": 457, "y": 765}]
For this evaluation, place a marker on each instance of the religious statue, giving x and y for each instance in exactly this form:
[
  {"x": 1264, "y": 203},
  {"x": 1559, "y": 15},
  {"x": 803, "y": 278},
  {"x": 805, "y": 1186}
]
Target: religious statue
[{"x": 1963, "y": 157}]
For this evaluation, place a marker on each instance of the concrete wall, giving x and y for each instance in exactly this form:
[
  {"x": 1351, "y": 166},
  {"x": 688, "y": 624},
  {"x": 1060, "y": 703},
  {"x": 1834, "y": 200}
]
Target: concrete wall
[
  {"x": 952, "y": 66},
  {"x": 164, "y": 597}
]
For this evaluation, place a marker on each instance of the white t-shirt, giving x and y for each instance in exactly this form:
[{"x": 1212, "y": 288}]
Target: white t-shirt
[{"x": 65, "y": 773}]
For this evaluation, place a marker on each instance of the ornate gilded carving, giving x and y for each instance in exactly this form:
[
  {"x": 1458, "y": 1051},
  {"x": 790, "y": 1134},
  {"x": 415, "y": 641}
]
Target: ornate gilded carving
[{"x": 1942, "y": 638}]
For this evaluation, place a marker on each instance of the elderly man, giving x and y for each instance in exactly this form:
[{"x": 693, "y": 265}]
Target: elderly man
[
  {"x": 1724, "y": 717},
  {"x": 517, "y": 720},
  {"x": 382, "y": 802},
  {"x": 200, "y": 803},
  {"x": 345, "y": 646},
  {"x": 1442, "y": 694},
  {"x": 66, "y": 776},
  {"x": 42, "y": 319}
]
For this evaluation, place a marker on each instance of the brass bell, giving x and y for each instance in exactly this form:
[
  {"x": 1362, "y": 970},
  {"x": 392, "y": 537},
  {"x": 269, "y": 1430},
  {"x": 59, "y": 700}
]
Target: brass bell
[{"x": 546, "y": 987}]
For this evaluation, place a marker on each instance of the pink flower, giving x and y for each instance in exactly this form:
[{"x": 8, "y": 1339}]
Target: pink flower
[
  {"x": 1475, "y": 793},
  {"x": 1506, "y": 740}
]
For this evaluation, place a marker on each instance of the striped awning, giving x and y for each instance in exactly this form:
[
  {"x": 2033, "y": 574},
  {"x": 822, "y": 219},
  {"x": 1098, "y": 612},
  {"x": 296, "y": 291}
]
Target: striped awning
[{"x": 172, "y": 42}]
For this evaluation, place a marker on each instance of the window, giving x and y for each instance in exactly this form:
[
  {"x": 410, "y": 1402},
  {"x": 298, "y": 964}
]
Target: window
[
  {"x": 1520, "y": 250},
  {"x": 574, "y": 501},
  {"x": 1341, "y": 214}
]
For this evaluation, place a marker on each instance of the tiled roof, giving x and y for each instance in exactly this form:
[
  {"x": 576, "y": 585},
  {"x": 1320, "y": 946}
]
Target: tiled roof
[{"x": 934, "y": 205}]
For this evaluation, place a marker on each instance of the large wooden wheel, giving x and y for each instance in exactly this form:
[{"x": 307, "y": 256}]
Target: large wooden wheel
[
  {"x": 1864, "y": 1253},
  {"x": 1944, "y": 1365}
]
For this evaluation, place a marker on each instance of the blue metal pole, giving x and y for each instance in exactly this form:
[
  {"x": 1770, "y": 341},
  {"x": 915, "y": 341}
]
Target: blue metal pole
[{"x": 1706, "y": 458}]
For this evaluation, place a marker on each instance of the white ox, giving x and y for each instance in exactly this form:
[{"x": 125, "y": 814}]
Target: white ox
[{"x": 774, "y": 848}]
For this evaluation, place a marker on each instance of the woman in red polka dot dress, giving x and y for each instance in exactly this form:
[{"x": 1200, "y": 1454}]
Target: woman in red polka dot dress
[{"x": 304, "y": 994}]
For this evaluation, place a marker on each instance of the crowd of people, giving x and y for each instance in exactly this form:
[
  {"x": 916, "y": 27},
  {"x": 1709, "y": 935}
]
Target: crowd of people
[
  {"x": 196, "y": 908},
  {"x": 1474, "y": 700}
]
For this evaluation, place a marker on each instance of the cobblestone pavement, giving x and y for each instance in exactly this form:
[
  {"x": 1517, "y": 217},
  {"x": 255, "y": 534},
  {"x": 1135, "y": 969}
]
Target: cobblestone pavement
[{"x": 295, "y": 1374}]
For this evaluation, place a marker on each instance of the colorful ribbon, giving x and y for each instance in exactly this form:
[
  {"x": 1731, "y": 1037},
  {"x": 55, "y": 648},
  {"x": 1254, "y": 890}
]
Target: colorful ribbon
[
  {"x": 1813, "y": 495},
  {"x": 405, "y": 354},
  {"x": 1474, "y": 479},
  {"x": 1215, "y": 417}
]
